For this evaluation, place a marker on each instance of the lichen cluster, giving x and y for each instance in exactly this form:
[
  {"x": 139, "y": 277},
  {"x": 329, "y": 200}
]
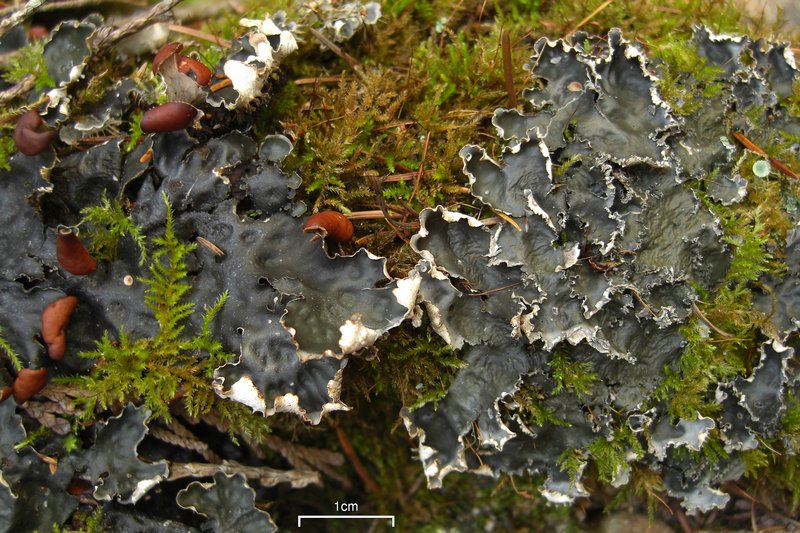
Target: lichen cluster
[
  {"x": 579, "y": 313},
  {"x": 589, "y": 293}
]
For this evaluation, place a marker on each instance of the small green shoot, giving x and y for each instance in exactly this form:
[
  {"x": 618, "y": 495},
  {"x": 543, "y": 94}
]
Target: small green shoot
[{"x": 108, "y": 223}]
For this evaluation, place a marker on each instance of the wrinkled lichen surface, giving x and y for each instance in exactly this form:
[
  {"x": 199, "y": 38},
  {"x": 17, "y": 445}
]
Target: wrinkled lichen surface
[
  {"x": 538, "y": 326},
  {"x": 599, "y": 265}
]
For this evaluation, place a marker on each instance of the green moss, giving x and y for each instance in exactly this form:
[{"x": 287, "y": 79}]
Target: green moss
[
  {"x": 532, "y": 409},
  {"x": 154, "y": 370},
  {"x": 686, "y": 80},
  {"x": 572, "y": 376},
  {"x": 7, "y": 350},
  {"x": 7, "y": 147},
  {"x": 643, "y": 483},
  {"x": 29, "y": 60},
  {"x": 107, "y": 224},
  {"x": 413, "y": 365},
  {"x": 572, "y": 461},
  {"x": 702, "y": 364},
  {"x": 610, "y": 457},
  {"x": 31, "y": 437},
  {"x": 136, "y": 133}
]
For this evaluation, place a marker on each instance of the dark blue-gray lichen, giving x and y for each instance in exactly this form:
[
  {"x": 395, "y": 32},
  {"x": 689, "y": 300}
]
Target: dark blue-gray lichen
[
  {"x": 113, "y": 465},
  {"x": 228, "y": 503},
  {"x": 33, "y": 496},
  {"x": 599, "y": 264}
]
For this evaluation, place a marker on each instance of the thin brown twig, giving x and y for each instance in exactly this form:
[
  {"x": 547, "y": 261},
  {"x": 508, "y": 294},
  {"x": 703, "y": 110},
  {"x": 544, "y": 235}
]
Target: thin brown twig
[
  {"x": 508, "y": 69},
  {"x": 198, "y": 34},
  {"x": 350, "y": 60},
  {"x": 708, "y": 323},
  {"x": 319, "y": 79},
  {"x": 753, "y": 522},
  {"x": 397, "y": 227},
  {"x": 683, "y": 520},
  {"x": 750, "y": 145},
  {"x": 498, "y": 289},
  {"x": 396, "y": 125},
  {"x": 221, "y": 84},
  {"x": 421, "y": 169},
  {"x": 399, "y": 177},
  {"x": 371, "y": 214},
  {"x": 361, "y": 470},
  {"x": 589, "y": 17}
]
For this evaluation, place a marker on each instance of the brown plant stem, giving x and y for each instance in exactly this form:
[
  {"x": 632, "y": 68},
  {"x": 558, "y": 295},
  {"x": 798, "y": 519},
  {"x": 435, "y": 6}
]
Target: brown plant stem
[
  {"x": 508, "y": 69},
  {"x": 350, "y": 453}
]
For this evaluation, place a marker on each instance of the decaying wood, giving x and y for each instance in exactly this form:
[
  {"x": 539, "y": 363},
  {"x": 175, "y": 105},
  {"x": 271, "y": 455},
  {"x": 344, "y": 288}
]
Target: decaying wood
[
  {"x": 20, "y": 15},
  {"x": 15, "y": 91},
  {"x": 177, "y": 434},
  {"x": 267, "y": 477},
  {"x": 108, "y": 36}
]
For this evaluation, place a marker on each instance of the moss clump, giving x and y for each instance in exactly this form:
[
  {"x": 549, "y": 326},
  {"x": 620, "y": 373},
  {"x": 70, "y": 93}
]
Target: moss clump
[
  {"x": 533, "y": 411},
  {"x": 686, "y": 79},
  {"x": 29, "y": 60},
  {"x": 611, "y": 457},
  {"x": 572, "y": 376},
  {"x": 108, "y": 223},
  {"x": 158, "y": 370}
]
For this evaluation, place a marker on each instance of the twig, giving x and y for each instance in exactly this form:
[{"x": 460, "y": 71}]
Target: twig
[
  {"x": 498, "y": 289},
  {"x": 683, "y": 521},
  {"x": 319, "y": 79},
  {"x": 371, "y": 214},
  {"x": 708, "y": 323},
  {"x": 226, "y": 82},
  {"x": 421, "y": 170},
  {"x": 268, "y": 477},
  {"x": 398, "y": 227},
  {"x": 78, "y": 4},
  {"x": 15, "y": 91},
  {"x": 361, "y": 470},
  {"x": 210, "y": 245},
  {"x": 178, "y": 435},
  {"x": 19, "y": 16},
  {"x": 399, "y": 177},
  {"x": 350, "y": 60},
  {"x": 508, "y": 69},
  {"x": 509, "y": 220},
  {"x": 646, "y": 305},
  {"x": 108, "y": 36},
  {"x": 750, "y": 145},
  {"x": 589, "y": 17},
  {"x": 301, "y": 457},
  {"x": 177, "y": 28}
]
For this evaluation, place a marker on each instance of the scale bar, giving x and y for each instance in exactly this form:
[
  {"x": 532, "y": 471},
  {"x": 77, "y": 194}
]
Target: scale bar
[{"x": 328, "y": 516}]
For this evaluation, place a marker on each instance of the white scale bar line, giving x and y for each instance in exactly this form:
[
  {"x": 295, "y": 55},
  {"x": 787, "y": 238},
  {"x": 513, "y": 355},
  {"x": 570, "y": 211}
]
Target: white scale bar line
[{"x": 300, "y": 517}]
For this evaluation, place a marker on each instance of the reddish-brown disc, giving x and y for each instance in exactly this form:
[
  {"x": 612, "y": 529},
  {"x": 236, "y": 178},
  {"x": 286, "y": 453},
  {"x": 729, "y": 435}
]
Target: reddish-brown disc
[
  {"x": 28, "y": 383},
  {"x": 202, "y": 74},
  {"x": 5, "y": 393},
  {"x": 55, "y": 319},
  {"x": 72, "y": 255},
  {"x": 166, "y": 51},
  {"x": 171, "y": 116},
  {"x": 31, "y": 135},
  {"x": 330, "y": 224},
  {"x": 38, "y": 32}
]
